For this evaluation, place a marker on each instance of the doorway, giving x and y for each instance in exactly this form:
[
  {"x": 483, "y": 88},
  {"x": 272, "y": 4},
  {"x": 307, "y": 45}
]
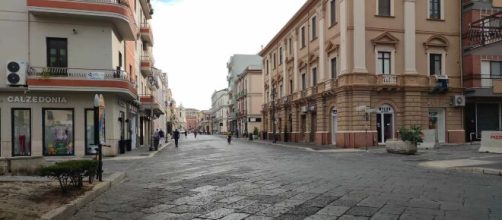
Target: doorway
[
  {"x": 313, "y": 127},
  {"x": 303, "y": 125},
  {"x": 437, "y": 123},
  {"x": 385, "y": 123},
  {"x": 334, "y": 126}
]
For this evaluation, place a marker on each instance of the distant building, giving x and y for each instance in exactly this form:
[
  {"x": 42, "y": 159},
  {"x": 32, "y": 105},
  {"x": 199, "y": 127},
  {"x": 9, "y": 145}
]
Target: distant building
[
  {"x": 219, "y": 111},
  {"x": 249, "y": 100},
  {"x": 192, "y": 119}
]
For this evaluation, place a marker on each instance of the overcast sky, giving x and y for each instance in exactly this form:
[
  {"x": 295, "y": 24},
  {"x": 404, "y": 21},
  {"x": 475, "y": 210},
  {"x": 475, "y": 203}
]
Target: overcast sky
[{"x": 194, "y": 40}]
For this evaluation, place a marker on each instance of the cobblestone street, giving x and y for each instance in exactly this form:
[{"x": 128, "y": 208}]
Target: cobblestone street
[{"x": 208, "y": 179}]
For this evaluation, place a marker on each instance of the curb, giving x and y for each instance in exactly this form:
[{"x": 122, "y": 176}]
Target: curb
[
  {"x": 160, "y": 149},
  {"x": 68, "y": 210},
  {"x": 479, "y": 170},
  {"x": 309, "y": 149}
]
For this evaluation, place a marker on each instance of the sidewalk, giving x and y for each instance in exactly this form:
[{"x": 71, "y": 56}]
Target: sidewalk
[{"x": 464, "y": 157}]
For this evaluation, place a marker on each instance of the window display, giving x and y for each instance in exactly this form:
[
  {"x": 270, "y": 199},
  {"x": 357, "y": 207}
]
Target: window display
[
  {"x": 21, "y": 132},
  {"x": 89, "y": 130},
  {"x": 58, "y": 132}
]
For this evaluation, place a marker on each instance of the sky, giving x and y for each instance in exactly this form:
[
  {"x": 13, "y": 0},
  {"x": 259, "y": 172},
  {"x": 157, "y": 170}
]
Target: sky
[{"x": 194, "y": 40}]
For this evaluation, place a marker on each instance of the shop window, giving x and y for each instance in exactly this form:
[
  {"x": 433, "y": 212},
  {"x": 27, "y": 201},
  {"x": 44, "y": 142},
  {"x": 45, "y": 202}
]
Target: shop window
[
  {"x": 89, "y": 130},
  {"x": 58, "y": 136},
  {"x": 21, "y": 132}
]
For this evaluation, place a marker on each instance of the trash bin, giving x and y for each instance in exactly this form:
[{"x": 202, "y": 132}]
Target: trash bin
[{"x": 122, "y": 146}]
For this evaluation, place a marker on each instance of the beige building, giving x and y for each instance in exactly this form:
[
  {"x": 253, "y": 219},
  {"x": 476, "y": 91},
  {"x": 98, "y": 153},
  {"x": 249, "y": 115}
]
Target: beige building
[
  {"x": 62, "y": 53},
  {"x": 249, "y": 100},
  {"x": 220, "y": 108},
  {"x": 352, "y": 72}
]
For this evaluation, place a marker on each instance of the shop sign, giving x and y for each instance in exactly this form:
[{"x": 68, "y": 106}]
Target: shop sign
[
  {"x": 491, "y": 141},
  {"x": 36, "y": 99},
  {"x": 133, "y": 109}
]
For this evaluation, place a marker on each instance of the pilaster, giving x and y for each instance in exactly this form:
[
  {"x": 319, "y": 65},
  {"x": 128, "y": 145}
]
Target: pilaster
[
  {"x": 409, "y": 37},
  {"x": 359, "y": 36}
]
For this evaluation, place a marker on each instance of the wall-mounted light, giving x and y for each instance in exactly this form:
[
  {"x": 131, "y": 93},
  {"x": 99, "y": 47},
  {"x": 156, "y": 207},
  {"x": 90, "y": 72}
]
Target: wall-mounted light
[{"x": 75, "y": 31}]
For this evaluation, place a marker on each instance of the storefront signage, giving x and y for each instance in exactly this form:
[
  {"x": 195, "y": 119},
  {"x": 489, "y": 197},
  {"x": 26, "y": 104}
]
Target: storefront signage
[
  {"x": 491, "y": 141},
  {"x": 96, "y": 76},
  {"x": 36, "y": 99}
]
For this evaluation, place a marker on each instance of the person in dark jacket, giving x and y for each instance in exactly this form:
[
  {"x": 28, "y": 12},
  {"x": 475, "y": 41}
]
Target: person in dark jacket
[{"x": 176, "y": 137}]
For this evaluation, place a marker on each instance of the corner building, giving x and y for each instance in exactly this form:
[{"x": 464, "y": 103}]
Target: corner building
[
  {"x": 399, "y": 58},
  {"x": 62, "y": 53}
]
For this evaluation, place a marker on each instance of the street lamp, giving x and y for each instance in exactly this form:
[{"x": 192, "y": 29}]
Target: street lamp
[{"x": 274, "y": 140}]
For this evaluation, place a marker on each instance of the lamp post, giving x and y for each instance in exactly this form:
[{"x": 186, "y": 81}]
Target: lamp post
[
  {"x": 274, "y": 140},
  {"x": 97, "y": 105}
]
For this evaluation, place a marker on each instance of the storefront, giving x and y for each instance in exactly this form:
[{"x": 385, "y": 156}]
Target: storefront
[{"x": 57, "y": 124}]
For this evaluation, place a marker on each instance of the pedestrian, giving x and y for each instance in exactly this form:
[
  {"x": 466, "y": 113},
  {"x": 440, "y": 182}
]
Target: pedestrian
[
  {"x": 161, "y": 136},
  {"x": 176, "y": 137},
  {"x": 195, "y": 134},
  {"x": 229, "y": 137},
  {"x": 155, "y": 139},
  {"x": 186, "y": 133}
]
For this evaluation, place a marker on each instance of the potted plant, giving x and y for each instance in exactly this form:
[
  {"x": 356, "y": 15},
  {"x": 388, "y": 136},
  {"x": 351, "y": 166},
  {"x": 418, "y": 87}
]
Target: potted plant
[
  {"x": 410, "y": 137},
  {"x": 255, "y": 133}
]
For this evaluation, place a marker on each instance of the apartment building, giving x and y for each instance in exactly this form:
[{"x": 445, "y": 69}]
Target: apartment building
[
  {"x": 482, "y": 63},
  {"x": 351, "y": 73},
  {"x": 249, "y": 100},
  {"x": 220, "y": 108},
  {"x": 62, "y": 53},
  {"x": 236, "y": 65}
]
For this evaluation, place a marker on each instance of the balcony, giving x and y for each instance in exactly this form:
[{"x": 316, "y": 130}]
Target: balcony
[
  {"x": 388, "y": 82},
  {"x": 439, "y": 84},
  {"x": 146, "y": 66},
  {"x": 80, "y": 80},
  {"x": 147, "y": 8},
  {"x": 151, "y": 102},
  {"x": 146, "y": 33},
  {"x": 117, "y": 12}
]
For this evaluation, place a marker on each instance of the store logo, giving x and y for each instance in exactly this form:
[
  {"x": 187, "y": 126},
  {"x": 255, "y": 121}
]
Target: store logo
[{"x": 36, "y": 99}]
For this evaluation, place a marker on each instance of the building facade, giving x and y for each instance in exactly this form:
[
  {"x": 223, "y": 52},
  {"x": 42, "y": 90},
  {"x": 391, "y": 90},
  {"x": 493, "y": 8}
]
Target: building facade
[
  {"x": 220, "y": 108},
  {"x": 249, "y": 100},
  {"x": 236, "y": 65},
  {"x": 192, "y": 119},
  {"x": 351, "y": 73},
  {"x": 482, "y": 63},
  {"x": 63, "y": 53}
]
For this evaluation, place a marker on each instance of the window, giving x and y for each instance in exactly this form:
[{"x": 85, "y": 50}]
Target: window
[
  {"x": 290, "y": 46},
  {"x": 290, "y": 86},
  {"x": 435, "y": 9},
  {"x": 89, "y": 130},
  {"x": 21, "y": 132},
  {"x": 435, "y": 64},
  {"x": 304, "y": 85},
  {"x": 332, "y": 12},
  {"x": 274, "y": 62},
  {"x": 266, "y": 70},
  {"x": 58, "y": 132},
  {"x": 384, "y": 63},
  {"x": 496, "y": 69},
  {"x": 280, "y": 55},
  {"x": 303, "y": 36},
  {"x": 314, "y": 28},
  {"x": 280, "y": 90},
  {"x": 384, "y": 8},
  {"x": 57, "y": 52},
  {"x": 120, "y": 60},
  {"x": 333, "y": 68},
  {"x": 314, "y": 76}
]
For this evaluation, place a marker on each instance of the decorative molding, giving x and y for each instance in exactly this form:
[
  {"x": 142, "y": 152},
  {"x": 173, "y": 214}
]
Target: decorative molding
[
  {"x": 385, "y": 38},
  {"x": 436, "y": 41},
  {"x": 331, "y": 47}
]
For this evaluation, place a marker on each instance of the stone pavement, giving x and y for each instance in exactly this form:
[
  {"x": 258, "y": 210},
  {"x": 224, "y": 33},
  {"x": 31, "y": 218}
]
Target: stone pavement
[{"x": 208, "y": 179}]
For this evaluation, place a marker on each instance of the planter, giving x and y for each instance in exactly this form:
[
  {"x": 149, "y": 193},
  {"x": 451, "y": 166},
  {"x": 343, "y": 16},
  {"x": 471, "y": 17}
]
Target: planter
[
  {"x": 401, "y": 147},
  {"x": 255, "y": 137}
]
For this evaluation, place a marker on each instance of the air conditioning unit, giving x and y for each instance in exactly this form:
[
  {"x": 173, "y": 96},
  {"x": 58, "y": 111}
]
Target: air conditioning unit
[
  {"x": 458, "y": 100},
  {"x": 16, "y": 73}
]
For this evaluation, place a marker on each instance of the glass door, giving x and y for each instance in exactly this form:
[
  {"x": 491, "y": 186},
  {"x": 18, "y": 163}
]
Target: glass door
[{"x": 333, "y": 127}]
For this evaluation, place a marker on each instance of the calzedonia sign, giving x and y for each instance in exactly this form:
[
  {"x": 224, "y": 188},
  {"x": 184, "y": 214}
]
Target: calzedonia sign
[{"x": 36, "y": 99}]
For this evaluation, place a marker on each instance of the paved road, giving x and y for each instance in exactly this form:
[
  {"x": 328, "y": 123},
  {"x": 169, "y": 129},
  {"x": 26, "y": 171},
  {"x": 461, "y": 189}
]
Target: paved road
[{"x": 209, "y": 179}]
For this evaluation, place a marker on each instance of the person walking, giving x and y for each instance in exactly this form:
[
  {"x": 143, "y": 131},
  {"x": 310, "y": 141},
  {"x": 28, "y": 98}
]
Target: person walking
[
  {"x": 186, "y": 133},
  {"x": 176, "y": 137},
  {"x": 155, "y": 140},
  {"x": 161, "y": 136},
  {"x": 195, "y": 134},
  {"x": 229, "y": 137}
]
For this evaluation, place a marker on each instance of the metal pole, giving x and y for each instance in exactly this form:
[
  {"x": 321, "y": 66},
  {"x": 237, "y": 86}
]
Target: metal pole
[
  {"x": 151, "y": 125},
  {"x": 97, "y": 142}
]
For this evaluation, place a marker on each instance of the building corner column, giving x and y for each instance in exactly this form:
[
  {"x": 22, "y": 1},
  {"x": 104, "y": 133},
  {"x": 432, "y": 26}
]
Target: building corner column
[
  {"x": 409, "y": 37},
  {"x": 359, "y": 53}
]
